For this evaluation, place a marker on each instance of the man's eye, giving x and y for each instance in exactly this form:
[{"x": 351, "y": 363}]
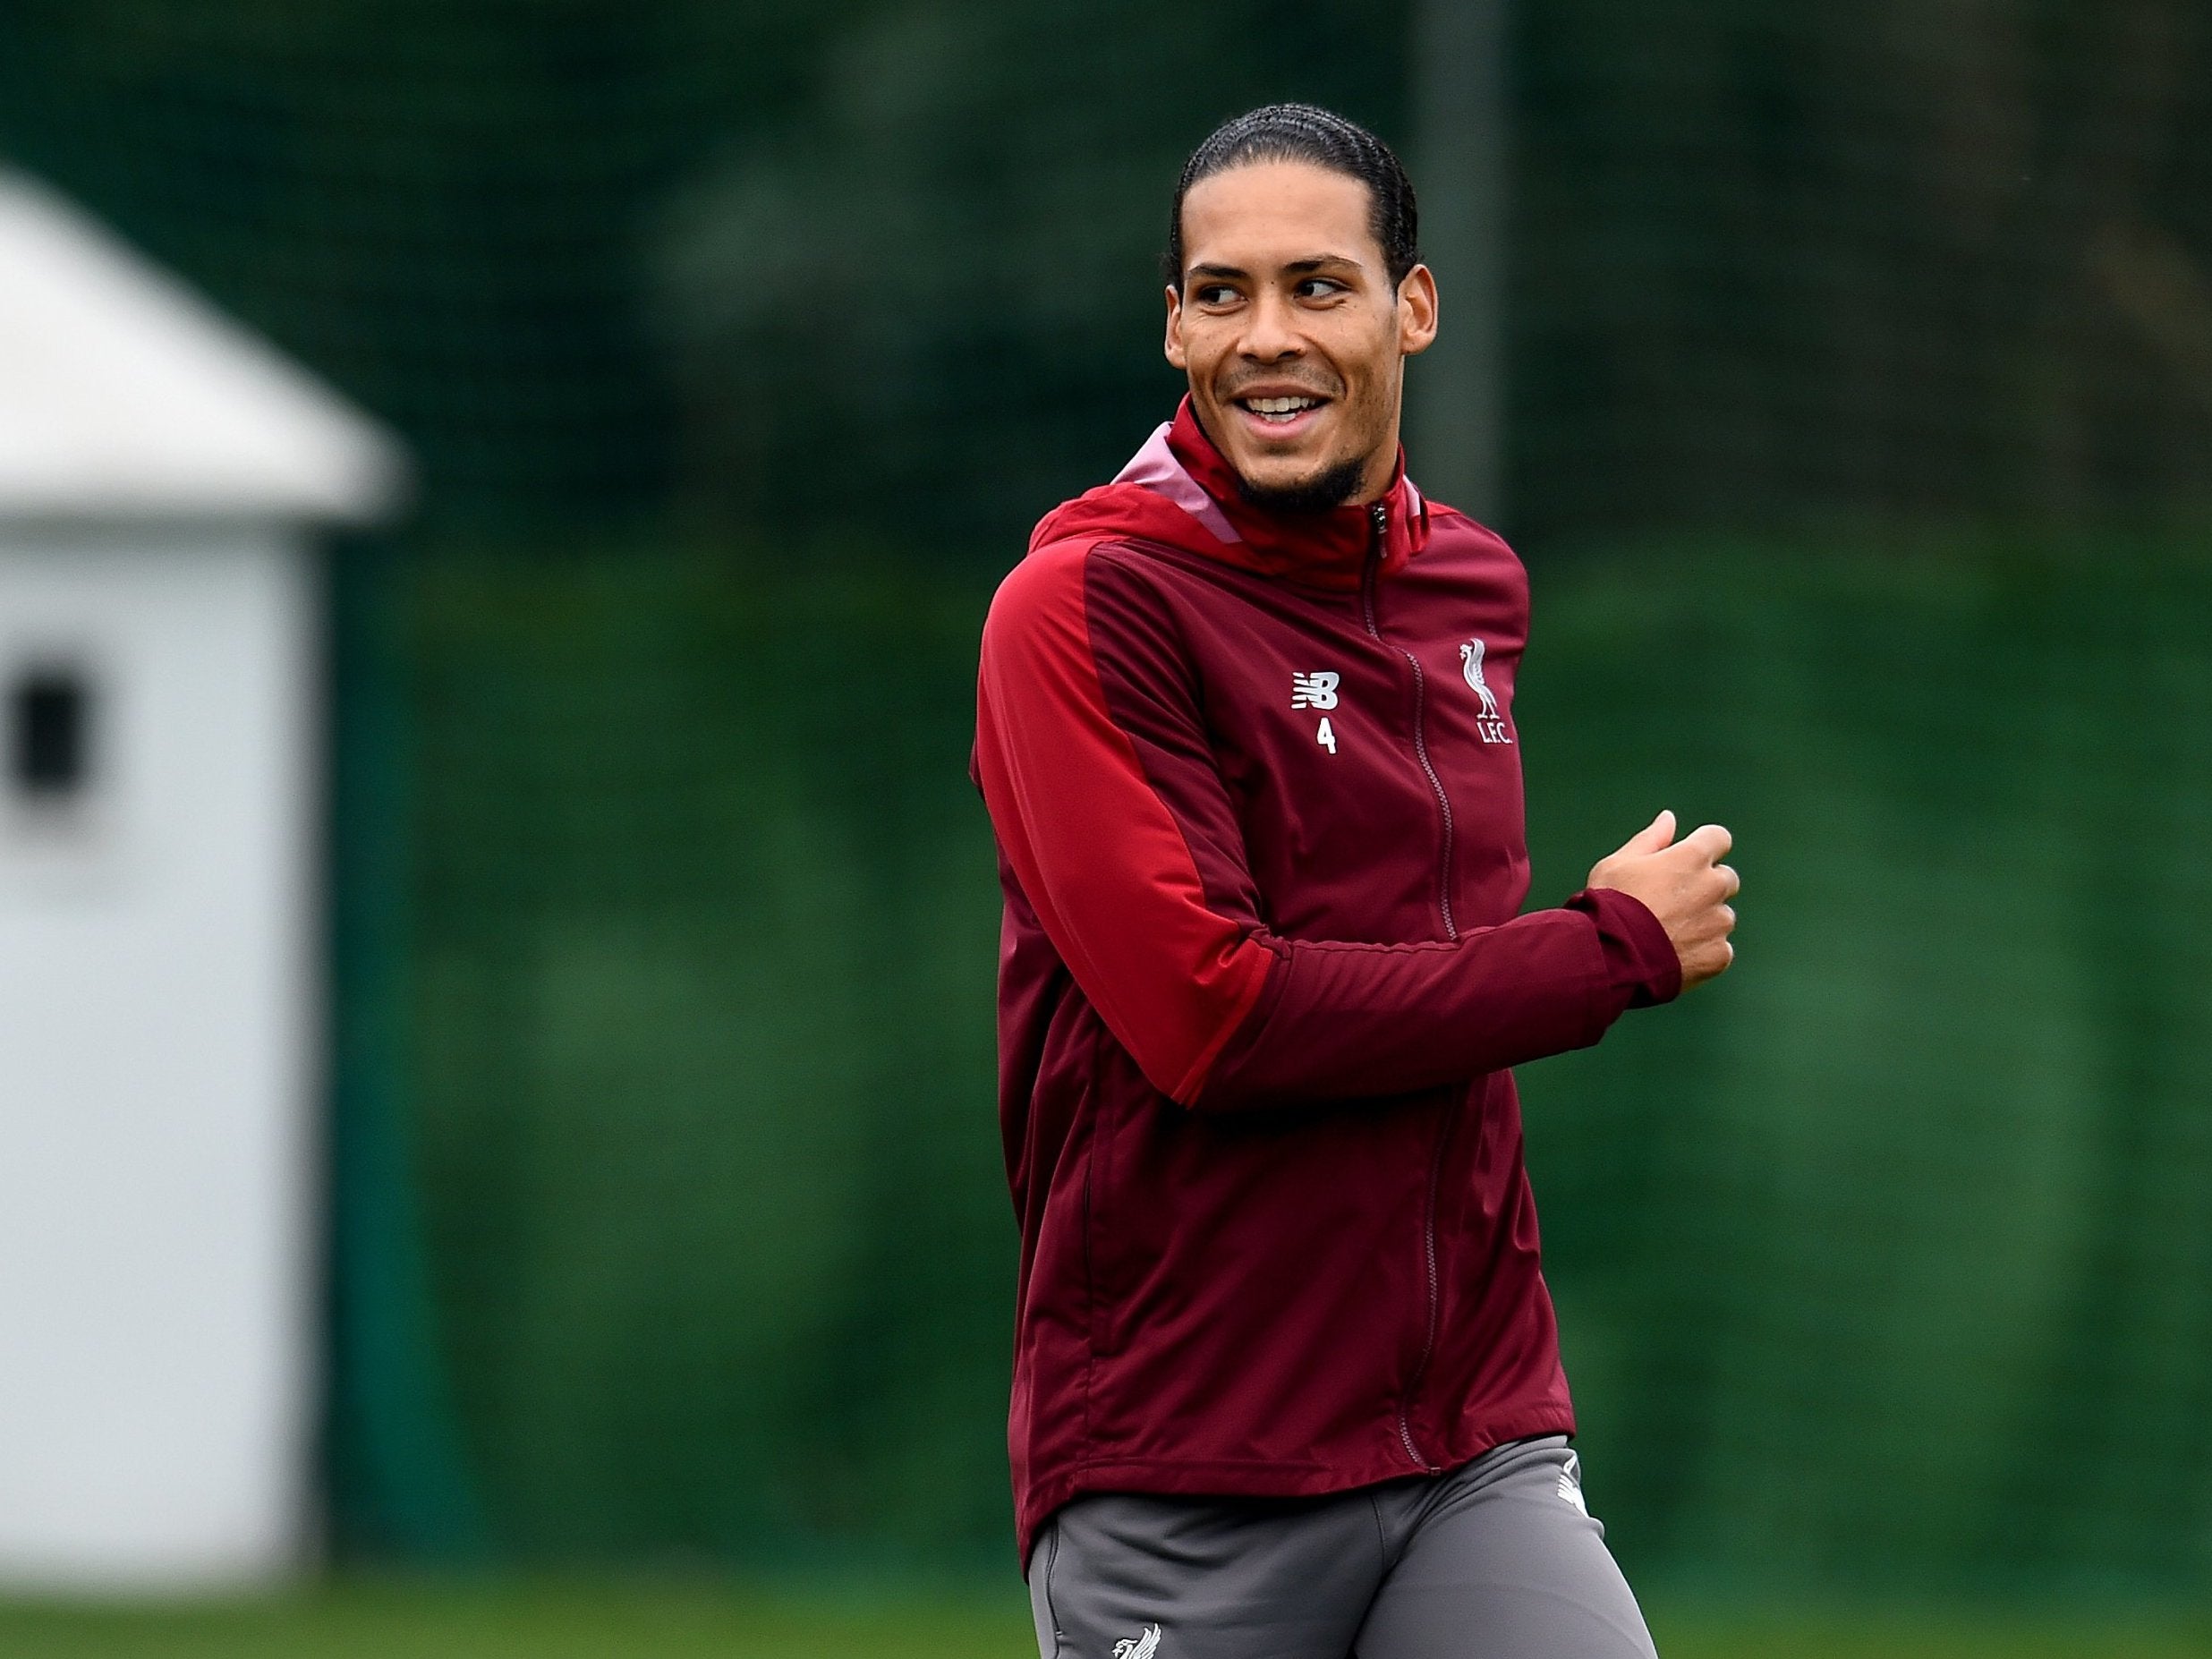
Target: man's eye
[
  {"x": 1217, "y": 294},
  {"x": 1319, "y": 288}
]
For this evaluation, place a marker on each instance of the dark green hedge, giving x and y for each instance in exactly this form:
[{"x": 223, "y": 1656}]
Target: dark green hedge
[{"x": 1883, "y": 1260}]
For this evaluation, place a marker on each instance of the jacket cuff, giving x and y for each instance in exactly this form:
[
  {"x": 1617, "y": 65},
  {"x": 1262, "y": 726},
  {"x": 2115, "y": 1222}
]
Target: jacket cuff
[{"x": 1639, "y": 957}]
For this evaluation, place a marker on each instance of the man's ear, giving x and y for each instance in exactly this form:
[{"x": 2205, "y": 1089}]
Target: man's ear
[
  {"x": 1416, "y": 312},
  {"x": 1175, "y": 329}
]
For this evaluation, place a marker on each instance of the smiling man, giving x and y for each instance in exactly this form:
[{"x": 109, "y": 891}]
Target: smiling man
[{"x": 1287, "y": 1380}]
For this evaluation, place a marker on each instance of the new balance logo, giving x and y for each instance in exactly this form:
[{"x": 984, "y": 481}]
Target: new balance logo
[
  {"x": 1317, "y": 691},
  {"x": 1145, "y": 1645}
]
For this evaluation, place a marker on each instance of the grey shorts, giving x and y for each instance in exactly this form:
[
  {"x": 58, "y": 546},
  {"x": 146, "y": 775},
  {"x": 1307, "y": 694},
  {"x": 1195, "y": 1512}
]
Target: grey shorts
[{"x": 1497, "y": 1560}]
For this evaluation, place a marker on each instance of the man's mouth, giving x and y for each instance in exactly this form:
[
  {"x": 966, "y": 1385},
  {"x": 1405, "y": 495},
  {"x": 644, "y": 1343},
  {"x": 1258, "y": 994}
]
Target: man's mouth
[{"x": 1281, "y": 410}]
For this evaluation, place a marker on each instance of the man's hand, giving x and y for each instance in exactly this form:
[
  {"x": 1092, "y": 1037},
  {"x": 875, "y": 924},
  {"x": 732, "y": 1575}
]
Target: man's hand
[{"x": 1686, "y": 885}]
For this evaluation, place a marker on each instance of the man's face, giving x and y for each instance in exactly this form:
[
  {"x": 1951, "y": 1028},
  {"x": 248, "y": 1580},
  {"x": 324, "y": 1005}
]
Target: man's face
[{"x": 1292, "y": 336}]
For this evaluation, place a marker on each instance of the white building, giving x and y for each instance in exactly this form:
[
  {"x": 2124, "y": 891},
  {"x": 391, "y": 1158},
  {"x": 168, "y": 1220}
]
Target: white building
[{"x": 161, "y": 476}]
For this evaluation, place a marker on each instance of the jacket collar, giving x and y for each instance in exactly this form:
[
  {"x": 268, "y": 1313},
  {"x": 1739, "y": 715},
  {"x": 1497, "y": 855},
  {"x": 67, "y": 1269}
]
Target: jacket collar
[{"x": 1181, "y": 489}]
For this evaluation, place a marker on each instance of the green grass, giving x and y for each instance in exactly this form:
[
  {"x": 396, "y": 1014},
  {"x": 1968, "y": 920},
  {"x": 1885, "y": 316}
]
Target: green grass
[
  {"x": 1956, "y": 1634},
  {"x": 648, "y": 1620},
  {"x": 641, "y": 1620}
]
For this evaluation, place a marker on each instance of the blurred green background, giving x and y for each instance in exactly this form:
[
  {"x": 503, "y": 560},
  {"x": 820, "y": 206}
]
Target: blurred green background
[{"x": 1854, "y": 385}]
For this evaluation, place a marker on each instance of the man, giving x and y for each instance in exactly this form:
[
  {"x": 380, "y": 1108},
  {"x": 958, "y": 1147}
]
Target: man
[{"x": 1287, "y": 1381}]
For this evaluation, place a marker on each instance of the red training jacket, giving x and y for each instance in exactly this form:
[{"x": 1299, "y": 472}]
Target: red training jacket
[{"x": 1257, "y": 795}]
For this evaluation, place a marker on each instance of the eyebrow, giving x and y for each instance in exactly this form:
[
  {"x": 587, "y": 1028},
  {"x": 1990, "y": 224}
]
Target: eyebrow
[{"x": 1300, "y": 267}]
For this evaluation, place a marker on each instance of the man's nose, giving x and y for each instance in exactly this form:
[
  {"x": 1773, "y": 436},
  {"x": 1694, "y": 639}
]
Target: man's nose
[{"x": 1272, "y": 334}]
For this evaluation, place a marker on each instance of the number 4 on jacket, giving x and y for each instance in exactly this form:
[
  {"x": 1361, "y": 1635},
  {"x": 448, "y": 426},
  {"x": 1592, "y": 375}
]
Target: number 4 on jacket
[{"x": 1326, "y": 736}]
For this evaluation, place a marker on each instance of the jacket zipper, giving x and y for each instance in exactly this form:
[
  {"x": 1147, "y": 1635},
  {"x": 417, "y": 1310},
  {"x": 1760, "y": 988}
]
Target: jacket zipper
[{"x": 1380, "y": 514}]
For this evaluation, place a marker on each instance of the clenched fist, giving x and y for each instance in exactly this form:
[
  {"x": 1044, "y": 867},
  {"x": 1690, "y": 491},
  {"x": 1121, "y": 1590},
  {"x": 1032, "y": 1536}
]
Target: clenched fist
[{"x": 1686, "y": 885}]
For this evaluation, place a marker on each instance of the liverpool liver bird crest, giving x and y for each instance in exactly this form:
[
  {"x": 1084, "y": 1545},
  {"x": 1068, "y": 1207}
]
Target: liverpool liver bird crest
[{"x": 1471, "y": 665}]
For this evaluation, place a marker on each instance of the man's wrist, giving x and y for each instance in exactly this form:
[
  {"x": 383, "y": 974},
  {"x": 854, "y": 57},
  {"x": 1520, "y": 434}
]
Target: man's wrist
[{"x": 1640, "y": 959}]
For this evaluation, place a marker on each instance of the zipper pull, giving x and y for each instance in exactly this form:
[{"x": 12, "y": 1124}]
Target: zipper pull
[{"x": 1379, "y": 516}]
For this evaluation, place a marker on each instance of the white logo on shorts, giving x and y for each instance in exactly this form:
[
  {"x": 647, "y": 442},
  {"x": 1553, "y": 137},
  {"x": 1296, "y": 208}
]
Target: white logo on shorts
[
  {"x": 1570, "y": 1481},
  {"x": 1139, "y": 1647}
]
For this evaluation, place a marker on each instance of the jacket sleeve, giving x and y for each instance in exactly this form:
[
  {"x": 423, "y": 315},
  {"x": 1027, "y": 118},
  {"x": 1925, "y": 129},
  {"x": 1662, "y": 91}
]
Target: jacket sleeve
[{"x": 1093, "y": 760}]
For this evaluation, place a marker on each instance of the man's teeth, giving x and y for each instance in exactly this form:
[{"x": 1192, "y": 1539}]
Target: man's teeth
[{"x": 1279, "y": 408}]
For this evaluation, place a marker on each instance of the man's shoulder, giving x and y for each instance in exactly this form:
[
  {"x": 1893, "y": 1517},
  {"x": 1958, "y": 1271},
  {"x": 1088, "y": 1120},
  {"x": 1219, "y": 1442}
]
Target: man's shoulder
[
  {"x": 1462, "y": 554},
  {"x": 1454, "y": 530},
  {"x": 1074, "y": 570}
]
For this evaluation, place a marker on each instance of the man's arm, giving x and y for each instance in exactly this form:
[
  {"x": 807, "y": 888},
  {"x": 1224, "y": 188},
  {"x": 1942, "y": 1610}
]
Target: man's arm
[{"x": 1093, "y": 757}]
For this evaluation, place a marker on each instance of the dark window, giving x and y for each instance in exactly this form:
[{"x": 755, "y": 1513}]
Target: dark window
[{"x": 49, "y": 733}]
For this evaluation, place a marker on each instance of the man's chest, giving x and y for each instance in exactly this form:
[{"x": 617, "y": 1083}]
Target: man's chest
[{"x": 1369, "y": 744}]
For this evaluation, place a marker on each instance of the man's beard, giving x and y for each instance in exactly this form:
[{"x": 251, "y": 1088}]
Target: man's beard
[{"x": 1330, "y": 487}]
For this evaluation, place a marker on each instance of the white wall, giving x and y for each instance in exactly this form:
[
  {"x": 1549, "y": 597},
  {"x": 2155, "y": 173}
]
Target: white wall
[{"x": 159, "y": 1007}]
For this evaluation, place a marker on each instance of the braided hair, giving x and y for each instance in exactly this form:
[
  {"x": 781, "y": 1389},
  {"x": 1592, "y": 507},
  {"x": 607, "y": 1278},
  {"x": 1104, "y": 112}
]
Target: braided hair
[{"x": 1308, "y": 133}]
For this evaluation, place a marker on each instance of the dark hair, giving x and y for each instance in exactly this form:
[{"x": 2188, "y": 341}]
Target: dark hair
[{"x": 1308, "y": 133}]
